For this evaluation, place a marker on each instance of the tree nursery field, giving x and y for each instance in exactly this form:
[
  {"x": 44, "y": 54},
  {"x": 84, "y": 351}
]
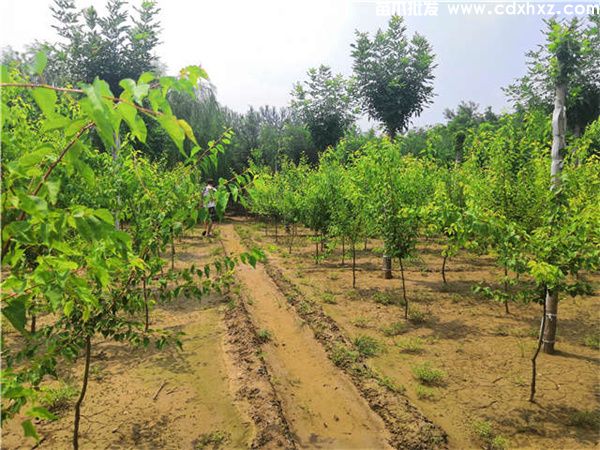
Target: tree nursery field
[{"x": 179, "y": 275}]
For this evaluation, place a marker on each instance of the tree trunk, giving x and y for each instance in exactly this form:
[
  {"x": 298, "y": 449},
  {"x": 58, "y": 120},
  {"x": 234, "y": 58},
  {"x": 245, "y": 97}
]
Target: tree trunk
[
  {"x": 353, "y": 265},
  {"x": 387, "y": 267},
  {"x": 146, "y": 307},
  {"x": 506, "y": 289},
  {"x": 316, "y": 248},
  {"x": 33, "y": 323},
  {"x": 444, "y": 269},
  {"x": 535, "y": 355},
  {"x": 86, "y": 373},
  {"x": 115, "y": 155},
  {"x": 551, "y": 310},
  {"x": 172, "y": 250},
  {"x": 366, "y": 242},
  {"x": 559, "y": 125},
  {"x": 276, "y": 234},
  {"x": 403, "y": 289},
  {"x": 343, "y": 249}
]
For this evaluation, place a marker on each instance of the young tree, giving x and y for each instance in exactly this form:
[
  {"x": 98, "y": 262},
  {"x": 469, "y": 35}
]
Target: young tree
[
  {"x": 324, "y": 103},
  {"x": 393, "y": 75}
]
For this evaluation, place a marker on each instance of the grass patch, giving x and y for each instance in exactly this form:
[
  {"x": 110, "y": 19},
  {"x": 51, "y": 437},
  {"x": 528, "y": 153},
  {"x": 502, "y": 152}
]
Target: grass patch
[
  {"x": 384, "y": 298},
  {"x": 390, "y": 384},
  {"x": 415, "y": 316},
  {"x": 56, "y": 399},
  {"x": 592, "y": 341},
  {"x": 410, "y": 345},
  {"x": 367, "y": 346},
  {"x": 425, "y": 393},
  {"x": 361, "y": 322},
  {"x": 329, "y": 298},
  {"x": 585, "y": 419},
  {"x": 394, "y": 329},
  {"x": 305, "y": 308},
  {"x": 428, "y": 375},
  {"x": 214, "y": 440},
  {"x": 485, "y": 433},
  {"x": 343, "y": 356},
  {"x": 264, "y": 336}
]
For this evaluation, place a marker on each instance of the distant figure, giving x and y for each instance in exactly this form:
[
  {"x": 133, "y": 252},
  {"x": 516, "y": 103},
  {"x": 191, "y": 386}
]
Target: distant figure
[{"x": 208, "y": 200}]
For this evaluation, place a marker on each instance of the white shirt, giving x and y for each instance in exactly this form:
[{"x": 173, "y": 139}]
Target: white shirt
[{"x": 208, "y": 194}]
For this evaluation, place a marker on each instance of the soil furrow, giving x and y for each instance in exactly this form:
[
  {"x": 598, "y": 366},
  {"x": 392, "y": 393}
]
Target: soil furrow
[{"x": 322, "y": 405}]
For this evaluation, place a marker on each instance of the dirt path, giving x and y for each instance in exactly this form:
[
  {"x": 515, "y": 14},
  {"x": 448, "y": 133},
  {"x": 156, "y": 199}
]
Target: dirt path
[{"x": 322, "y": 405}]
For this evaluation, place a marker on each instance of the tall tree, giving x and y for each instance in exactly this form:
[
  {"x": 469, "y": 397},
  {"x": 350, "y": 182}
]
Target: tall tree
[
  {"x": 113, "y": 47},
  {"x": 325, "y": 105},
  {"x": 393, "y": 74},
  {"x": 537, "y": 88}
]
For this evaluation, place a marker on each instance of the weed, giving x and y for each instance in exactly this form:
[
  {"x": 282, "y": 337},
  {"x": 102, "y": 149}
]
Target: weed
[
  {"x": 343, "y": 356},
  {"x": 411, "y": 345},
  {"x": 428, "y": 375},
  {"x": 502, "y": 330},
  {"x": 367, "y": 346},
  {"x": 329, "y": 298},
  {"x": 354, "y": 295},
  {"x": 305, "y": 308},
  {"x": 485, "y": 432},
  {"x": 58, "y": 398},
  {"x": 264, "y": 336},
  {"x": 383, "y": 298},
  {"x": 415, "y": 316},
  {"x": 390, "y": 384},
  {"x": 425, "y": 393},
  {"x": 361, "y": 322},
  {"x": 585, "y": 419},
  {"x": 217, "y": 251},
  {"x": 592, "y": 341},
  {"x": 394, "y": 329},
  {"x": 214, "y": 440}
]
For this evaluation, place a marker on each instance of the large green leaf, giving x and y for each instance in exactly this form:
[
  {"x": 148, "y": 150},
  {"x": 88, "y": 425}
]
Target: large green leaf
[{"x": 15, "y": 312}]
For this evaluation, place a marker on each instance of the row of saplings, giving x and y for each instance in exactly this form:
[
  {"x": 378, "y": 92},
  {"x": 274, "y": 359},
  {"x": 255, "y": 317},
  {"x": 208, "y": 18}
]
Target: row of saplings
[{"x": 379, "y": 193}]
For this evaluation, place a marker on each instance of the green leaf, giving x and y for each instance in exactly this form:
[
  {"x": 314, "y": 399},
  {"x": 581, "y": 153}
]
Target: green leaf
[
  {"x": 4, "y": 77},
  {"x": 39, "y": 63},
  {"x": 68, "y": 307},
  {"x": 46, "y": 100},
  {"x": 15, "y": 312},
  {"x": 171, "y": 126},
  {"x": 29, "y": 429},
  {"x": 53, "y": 188},
  {"x": 41, "y": 413}
]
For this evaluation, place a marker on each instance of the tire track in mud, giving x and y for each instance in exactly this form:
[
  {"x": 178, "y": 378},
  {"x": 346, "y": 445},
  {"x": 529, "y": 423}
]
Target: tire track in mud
[{"x": 321, "y": 404}]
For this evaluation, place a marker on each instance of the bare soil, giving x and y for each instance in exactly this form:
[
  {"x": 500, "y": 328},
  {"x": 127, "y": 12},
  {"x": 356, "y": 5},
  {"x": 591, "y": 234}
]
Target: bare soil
[{"x": 484, "y": 353}]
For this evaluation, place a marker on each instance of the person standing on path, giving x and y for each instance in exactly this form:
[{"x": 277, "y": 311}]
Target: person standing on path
[{"x": 208, "y": 200}]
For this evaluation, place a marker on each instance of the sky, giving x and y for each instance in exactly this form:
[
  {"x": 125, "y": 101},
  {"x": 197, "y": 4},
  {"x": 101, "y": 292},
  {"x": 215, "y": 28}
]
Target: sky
[{"x": 254, "y": 51}]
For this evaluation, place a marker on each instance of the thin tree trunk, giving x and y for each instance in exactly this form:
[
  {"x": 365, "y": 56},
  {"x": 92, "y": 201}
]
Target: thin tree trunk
[
  {"x": 366, "y": 242},
  {"x": 559, "y": 125},
  {"x": 343, "y": 249},
  {"x": 146, "y": 307},
  {"x": 353, "y": 264},
  {"x": 387, "y": 267},
  {"x": 33, "y": 323},
  {"x": 172, "y": 250},
  {"x": 86, "y": 373},
  {"x": 444, "y": 269},
  {"x": 403, "y": 289},
  {"x": 535, "y": 355},
  {"x": 506, "y": 289},
  {"x": 115, "y": 155},
  {"x": 550, "y": 311},
  {"x": 316, "y": 248},
  {"x": 276, "y": 234}
]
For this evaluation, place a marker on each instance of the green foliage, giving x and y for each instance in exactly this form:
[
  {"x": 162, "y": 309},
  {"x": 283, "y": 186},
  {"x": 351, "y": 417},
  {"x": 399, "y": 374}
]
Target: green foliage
[
  {"x": 410, "y": 345},
  {"x": 367, "y": 346},
  {"x": 428, "y": 375},
  {"x": 485, "y": 433},
  {"x": 325, "y": 104},
  {"x": 425, "y": 393},
  {"x": 585, "y": 419},
  {"x": 343, "y": 356},
  {"x": 264, "y": 336},
  {"x": 394, "y": 329},
  {"x": 393, "y": 75}
]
